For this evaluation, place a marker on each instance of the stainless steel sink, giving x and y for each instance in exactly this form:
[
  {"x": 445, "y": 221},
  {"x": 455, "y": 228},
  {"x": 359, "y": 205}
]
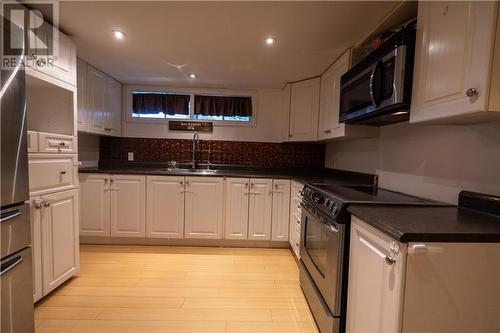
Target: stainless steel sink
[{"x": 190, "y": 171}]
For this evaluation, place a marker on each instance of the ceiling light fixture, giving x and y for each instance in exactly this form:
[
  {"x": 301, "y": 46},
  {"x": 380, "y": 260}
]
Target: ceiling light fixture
[
  {"x": 120, "y": 35},
  {"x": 270, "y": 41},
  {"x": 192, "y": 76}
]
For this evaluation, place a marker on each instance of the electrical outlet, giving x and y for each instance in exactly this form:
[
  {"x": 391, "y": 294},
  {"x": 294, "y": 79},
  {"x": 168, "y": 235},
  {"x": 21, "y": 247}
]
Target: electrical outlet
[{"x": 130, "y": 156}]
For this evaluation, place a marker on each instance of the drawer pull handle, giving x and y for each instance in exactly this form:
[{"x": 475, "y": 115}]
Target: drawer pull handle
[
  {"x": 10, "y": 215},
  {"x": 10, "y": 265},
  {"x": 62, "y": 172},
  {"x": 389, "y": 260},
  {"x": 62, "y": 144}
]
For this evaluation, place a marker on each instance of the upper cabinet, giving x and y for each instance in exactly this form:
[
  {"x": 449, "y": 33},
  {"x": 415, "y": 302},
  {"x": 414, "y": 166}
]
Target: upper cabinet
[
  {"x": 304, "y": 110},
  {"x": 99, "y": 101},
  {"x": 329, "y": 125},
  {"x": 457, "y": 62}
]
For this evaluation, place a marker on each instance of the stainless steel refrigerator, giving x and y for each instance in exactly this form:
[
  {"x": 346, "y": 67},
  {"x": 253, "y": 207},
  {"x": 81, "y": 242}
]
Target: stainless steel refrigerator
[{"x": 16, "y": 277}]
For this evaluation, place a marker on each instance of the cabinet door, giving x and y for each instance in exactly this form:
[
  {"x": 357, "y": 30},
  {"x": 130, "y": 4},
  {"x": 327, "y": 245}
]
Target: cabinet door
[
  {"x": 96, "y": 90},
  {"x": 329, "y": 126},
  {"x": 128, "y": 206},
  {"x": 113, "y": 107},
  {"x": 304, "y": 110},
  {"x": 453, "y": 54},
  {"x": 36, "y": 209},
  {"x": 81, "y": 84},
  {"x": 295, "y": 216},
  {"x": 260, "y": 209},
  {"x": 236, "y": 217},
  {"x": 281, "y": 210},
  {"x": 165, "y": 207},
  {"x": 60, "y": 243},
  {"x": 376, "y": 281},
  {"x": 95, "y": 205},
  {"x": 204, "y": 207}
]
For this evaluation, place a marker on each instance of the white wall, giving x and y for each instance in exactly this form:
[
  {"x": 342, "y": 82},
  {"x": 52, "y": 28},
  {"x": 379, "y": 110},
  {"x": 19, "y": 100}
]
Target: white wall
[
  {"x": 268, "y": 128},
  {"x": 435, "y": 162}
]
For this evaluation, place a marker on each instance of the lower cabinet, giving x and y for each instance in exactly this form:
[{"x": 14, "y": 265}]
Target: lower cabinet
[
  {"x": 55, "y": 240},
  {"x": 260, "y": 209},
  {"x": 128, "y": 205},
  {"x": 165, "y": 207},
  {"x": 204, "y": 207},
  {"x": 95, "y": 205},
  {"x": 420, "y": 287},
  {"x": 236, "y": 208},
  {"x": 281, "y": 210}
]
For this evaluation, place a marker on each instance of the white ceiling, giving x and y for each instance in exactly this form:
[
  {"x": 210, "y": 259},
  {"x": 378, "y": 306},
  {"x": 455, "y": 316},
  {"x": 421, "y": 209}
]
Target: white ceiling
[{"x": 222, "y": 42}]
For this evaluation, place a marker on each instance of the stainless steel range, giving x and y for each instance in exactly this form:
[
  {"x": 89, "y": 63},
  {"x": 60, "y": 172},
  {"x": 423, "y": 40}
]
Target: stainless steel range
[{"x": 324, "y": 247}]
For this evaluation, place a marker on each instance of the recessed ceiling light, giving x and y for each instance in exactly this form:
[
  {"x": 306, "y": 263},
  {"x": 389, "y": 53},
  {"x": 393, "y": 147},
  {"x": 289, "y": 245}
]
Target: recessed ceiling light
[
  {"x": 192, "y": 75},
  {"x": 120, "y": 35},
  {"x": 270, "y": 41}
]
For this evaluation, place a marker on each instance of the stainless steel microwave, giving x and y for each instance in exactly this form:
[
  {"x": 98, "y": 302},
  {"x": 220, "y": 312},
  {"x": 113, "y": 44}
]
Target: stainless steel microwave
[{"x": 377, "y": 91}]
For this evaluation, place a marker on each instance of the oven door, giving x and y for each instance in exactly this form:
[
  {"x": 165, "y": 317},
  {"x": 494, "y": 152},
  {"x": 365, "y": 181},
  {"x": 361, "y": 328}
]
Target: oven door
[
  {"x": 321, "y": 251},
  {"x": 379, "y": 86}
]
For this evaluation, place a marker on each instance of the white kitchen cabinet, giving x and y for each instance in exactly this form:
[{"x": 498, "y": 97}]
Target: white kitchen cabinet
[
  {"x": 420, "y": 287},
  {"x": 60, "y": 242},
  {"x": 62, "y": 64},
  {"x": 128, "y": 205},
  {"x": 329, "y": 125},
  {"x": 204, "y": 207},
  {"x": 304, "y": 110},
  {"x": 96, "y": 95},
  {"x": 82, "y": 97},
  {"x": 113, "y": 107},
  {"x": 457, "y": 63},
  {"x": 52, "y": 172},
  {"x": 165, "y": 207},
  {"x": 260, "y": 209},
  {"x": 95, "y": 205},
  {"x": 295, "y": 216},
  {"x": 280, "y": 210},
  {"x": 376, "y": 280},
  {"x": 236, "y": 208}
]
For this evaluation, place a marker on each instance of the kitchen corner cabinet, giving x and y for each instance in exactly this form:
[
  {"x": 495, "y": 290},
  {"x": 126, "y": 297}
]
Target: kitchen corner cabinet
[
  {"x": 204, "y": 207},
  {"x": 165, "y": 207},
  {"x": 95, "y": 205},
  {"x": 329, "y": 112},
  {"x": 55, "y": 240},
  {"x": 420, "y": 287},
  {"x": 304, "y": 110},
  {"x": 457, "y": 63},
  {"x": 128, "y": 205},
  {"x": 99, "y": 101},
  {"x": 260, "y": 209},
  {"x": 280, "y": 210}
]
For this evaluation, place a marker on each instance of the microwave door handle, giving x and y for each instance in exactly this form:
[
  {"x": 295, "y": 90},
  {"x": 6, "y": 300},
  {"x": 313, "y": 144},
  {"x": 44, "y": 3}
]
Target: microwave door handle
[{"x": 372, "y": 79}]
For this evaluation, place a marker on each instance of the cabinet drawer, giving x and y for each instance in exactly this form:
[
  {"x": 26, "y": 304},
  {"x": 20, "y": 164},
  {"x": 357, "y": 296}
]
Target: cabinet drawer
[
  {"x": 49, "y": 173},
  {"x": 56, "y": 143},
  {"x": 32, "y": 142}
]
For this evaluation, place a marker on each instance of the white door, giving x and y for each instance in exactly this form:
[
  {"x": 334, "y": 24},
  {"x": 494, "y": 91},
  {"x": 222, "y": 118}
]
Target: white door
[
  {"x": 165, "y": 207},
  {"x": 60, "y": 243},
  {"x": 280, "y": 210},
  {"x": 95, "y": 205},
  {"x": 204, "y": 207},
  {"x": 260, "y": 209},
  {"x": 236, "y": 217},
  {"x": 304, "y": 110},
  {"x": 329, "y": 125},
  {"x": 376, "y": 281},
  {"x": 36, "y": 210},
  {"x": 128, "y": 205},
  {"x": 81, "y": 84},
  {"x": 96, "y": 90},
  {"x": 113, "y": 107},
  {"x": 453, "y": 54}
]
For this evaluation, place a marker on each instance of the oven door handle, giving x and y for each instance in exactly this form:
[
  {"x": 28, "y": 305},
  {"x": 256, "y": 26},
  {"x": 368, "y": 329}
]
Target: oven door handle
[{"x": 331, "y": 228}]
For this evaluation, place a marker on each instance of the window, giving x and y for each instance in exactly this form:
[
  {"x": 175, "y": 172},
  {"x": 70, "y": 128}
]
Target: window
[{"x": 223, "y": 107}]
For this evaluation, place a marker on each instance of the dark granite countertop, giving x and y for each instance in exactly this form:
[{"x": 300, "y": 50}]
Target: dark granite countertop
[
  {"x": 303, "y": 175},
  {"x": 430, "y": 224}
]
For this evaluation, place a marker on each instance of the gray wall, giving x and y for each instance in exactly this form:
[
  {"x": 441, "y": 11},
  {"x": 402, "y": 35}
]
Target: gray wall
[{"x": 426, "y": 160}]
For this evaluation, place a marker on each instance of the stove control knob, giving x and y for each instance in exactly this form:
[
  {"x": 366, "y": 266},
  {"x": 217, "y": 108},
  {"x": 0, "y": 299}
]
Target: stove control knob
[
  {"x": 318, "y": 198},
  {"x": 334, "y": 208}
]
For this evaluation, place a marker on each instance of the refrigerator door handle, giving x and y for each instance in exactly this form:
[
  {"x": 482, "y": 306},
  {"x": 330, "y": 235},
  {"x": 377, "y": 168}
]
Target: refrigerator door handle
[
  {"x": 10, "y": 265},
  {"x": 10, "y": 215}
]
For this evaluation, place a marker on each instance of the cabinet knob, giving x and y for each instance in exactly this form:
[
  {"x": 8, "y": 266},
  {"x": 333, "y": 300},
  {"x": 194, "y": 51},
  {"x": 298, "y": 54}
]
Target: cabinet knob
[
  {"x": 62, "y": 144},
  {"x": 290, "y": 135},
  {"x": 107, "y": 129},
  {"x": 62, "y": 172},
  {"x": 46, "y": 204},
  {"x": 182, "y": 183},
  {"x": 41, "y": 62},
  {"x": 471, "y": 92},
  {"x": 389, "y": 260},
  {"x": 328, "y": 131}
]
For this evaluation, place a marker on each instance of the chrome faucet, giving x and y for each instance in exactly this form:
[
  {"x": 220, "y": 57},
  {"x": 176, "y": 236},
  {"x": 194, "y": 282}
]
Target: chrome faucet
[{"x": 196, "y": 143}]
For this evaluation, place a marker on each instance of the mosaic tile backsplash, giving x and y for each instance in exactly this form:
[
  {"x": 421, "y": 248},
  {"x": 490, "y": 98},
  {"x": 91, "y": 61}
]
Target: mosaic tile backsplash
[{"x": 254, "y": 154}]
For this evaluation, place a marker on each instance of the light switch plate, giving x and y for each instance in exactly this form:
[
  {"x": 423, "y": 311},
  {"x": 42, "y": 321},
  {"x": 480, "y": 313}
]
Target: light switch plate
[{"x": 130, "y": 156}]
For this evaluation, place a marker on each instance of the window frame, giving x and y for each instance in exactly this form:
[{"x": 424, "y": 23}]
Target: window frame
[{"x": 130, "y": 89}]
